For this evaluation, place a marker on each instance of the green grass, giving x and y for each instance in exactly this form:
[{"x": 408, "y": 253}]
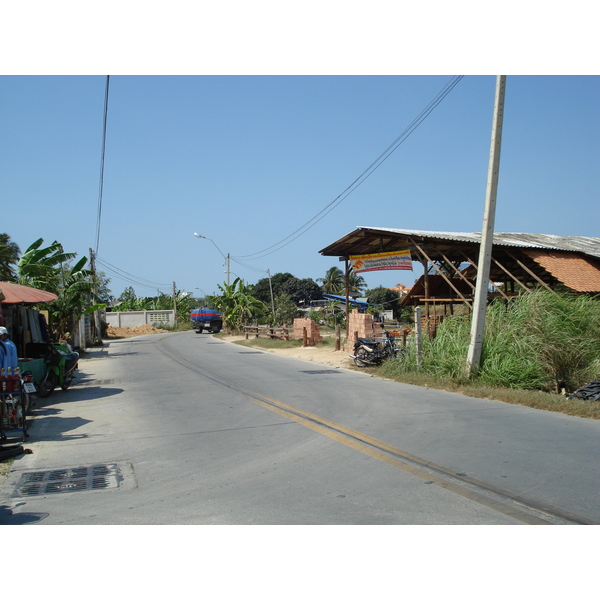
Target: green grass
[
  {"x": 268, "y": 343},
  {"x": 537, "y": 399}
]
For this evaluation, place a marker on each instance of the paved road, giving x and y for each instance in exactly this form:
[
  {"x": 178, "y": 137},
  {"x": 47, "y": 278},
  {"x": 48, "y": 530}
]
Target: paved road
[{"x": 187, "y": 429}]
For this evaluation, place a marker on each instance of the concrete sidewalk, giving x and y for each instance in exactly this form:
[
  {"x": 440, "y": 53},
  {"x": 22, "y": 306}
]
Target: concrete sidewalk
[{"x": 54, "y": 418}]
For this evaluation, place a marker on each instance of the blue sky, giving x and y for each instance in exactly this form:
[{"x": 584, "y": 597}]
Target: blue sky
[
  {"x": 247, "y": 160},
  {"x": 245, "y": 154}
]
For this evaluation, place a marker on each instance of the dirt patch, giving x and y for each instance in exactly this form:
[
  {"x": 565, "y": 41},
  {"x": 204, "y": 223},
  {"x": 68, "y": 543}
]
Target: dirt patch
[
  {"x": 125, "y": 332},
  {"x": 324, "y": 355}
]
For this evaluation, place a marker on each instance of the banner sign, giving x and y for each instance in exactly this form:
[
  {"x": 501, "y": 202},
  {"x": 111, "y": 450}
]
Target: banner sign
[{"x": 386, "y": 261}]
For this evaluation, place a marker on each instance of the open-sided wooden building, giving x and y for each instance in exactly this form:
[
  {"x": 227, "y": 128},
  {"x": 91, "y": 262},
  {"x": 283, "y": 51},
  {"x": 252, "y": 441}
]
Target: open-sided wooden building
[{"x": 519, "y": 261}]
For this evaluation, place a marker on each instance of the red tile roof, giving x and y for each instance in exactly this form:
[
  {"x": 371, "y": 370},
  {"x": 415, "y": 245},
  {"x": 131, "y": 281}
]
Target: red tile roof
[{"x": 577, "y": 272}]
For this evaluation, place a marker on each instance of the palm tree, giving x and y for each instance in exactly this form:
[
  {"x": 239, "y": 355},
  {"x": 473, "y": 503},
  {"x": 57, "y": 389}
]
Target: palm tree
[
  {"x": 356, "y": 283},
  {"x": 334, "y": 281},
  {"x": 9, "y": 257}
]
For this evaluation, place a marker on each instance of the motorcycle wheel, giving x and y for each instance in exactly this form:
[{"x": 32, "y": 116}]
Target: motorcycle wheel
[
  {"x": 47, "y": 385},
  {"x": 26, "y": 403},
  {"x": 361, "y": 358},
  {"x": 68, "y": 378}
]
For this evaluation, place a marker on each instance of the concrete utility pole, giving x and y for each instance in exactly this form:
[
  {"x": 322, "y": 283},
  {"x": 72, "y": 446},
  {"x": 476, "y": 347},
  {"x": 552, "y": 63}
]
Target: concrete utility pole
[
  {"x": 97, "y": 324},
  {"x": 487, "y": 234},
  {"x": 271, "y": 288},
  {"x": 175, "y": 302}
]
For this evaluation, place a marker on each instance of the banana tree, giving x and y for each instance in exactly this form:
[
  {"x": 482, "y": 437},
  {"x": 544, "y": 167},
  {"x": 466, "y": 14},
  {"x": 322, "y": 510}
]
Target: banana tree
[
  {"x": 237, "y": 305},
  {"x": 42, "y": 267},
  {"x": 74, "y": 299}
]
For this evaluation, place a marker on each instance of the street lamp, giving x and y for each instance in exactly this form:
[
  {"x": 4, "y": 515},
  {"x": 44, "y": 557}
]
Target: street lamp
[{"x": 227, "y": 258}]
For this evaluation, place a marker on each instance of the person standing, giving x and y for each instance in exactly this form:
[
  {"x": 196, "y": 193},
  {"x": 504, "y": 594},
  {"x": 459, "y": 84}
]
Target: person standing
[{"x": 8, "y": 352}]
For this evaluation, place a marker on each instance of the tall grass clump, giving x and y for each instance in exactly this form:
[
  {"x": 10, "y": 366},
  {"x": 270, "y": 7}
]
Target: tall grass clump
[
  {"x": 566, "y": 332},
  {"x": 539, "y": 340}
]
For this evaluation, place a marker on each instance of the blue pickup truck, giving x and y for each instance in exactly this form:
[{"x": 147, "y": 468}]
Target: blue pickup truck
[{"x": 206, "y": 318}]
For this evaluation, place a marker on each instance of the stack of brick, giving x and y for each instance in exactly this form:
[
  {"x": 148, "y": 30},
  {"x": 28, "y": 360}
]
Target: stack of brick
[
  {"x": 361, "y": 325},
  {"x": 313, "y": 333}
]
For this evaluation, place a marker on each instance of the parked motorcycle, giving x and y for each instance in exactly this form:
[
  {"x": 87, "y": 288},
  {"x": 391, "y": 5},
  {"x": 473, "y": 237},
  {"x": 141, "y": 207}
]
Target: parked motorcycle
[
  {"x": 371, "y": 353},
  {"x": 60, "y": 369},
  {"x": 28, "y": 390}
]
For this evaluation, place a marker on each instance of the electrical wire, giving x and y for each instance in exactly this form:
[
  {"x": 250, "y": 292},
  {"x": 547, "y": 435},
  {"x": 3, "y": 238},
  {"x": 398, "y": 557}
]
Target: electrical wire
[
  {"x": 102, "y": 154},
  {"x": 129, "y": 277},
  {"x": 450, "y": 85}
]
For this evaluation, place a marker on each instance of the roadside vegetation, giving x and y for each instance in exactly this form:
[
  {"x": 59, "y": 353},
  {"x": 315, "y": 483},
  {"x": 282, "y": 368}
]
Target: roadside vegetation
[{"x": 536, "y": 348}]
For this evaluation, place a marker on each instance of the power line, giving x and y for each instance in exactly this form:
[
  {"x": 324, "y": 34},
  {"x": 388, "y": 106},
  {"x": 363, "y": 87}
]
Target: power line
[
  {"x": 101, "y": 190},
  {"x": 129, "y": 277},
  {"x": 450, "y": 85}
]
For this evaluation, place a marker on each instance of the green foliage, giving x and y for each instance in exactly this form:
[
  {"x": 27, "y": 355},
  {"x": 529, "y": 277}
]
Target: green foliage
[
  {"x": 316, "y": 316},
  {"x": 74, "y": 292},
  {"x": 385, "y": 299},
  {"x": 9, "y": 258},
  {"x": 299, "y": 290},
  {"x": 183, "y": 303},
  {"x": 50, "y": 268},
  {"x": 237, "y": 304},
  {"x": 334, "y": 281},
  {"x": 333, "y": 315},
  {"x": 128, "y": 301},
  {"x": 565, "y": 330},
  {"x": 356, "y": 283},
  {"x": 42, "y": 267},
  {"x": 262, "y": 289},
  {"x": 540, "y": 340},
  {"x": 285, "y": 310}
]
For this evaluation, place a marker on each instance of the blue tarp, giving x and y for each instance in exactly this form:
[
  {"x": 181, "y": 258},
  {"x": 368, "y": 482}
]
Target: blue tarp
[{"x": 351, "y": 301}]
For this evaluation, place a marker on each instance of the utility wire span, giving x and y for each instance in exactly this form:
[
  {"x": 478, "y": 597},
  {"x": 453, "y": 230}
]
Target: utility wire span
[
  {"x": 129, "y": 277},
  {"x": 101, "y": 190},
  {"x": 450, "y": 85}
]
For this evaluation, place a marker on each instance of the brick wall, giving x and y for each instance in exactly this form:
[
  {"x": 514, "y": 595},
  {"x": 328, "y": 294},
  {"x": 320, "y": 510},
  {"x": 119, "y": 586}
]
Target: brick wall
[
  {"x": 313, "y": 333},
  {"x": 361, "y": 325}
]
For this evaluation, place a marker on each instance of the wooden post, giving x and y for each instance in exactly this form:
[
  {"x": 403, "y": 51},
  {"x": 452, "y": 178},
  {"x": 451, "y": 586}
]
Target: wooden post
[
  {"x": 337, "y": 338},
  {"x": 419, "y": 336},
  {"x": 304, "y": 337}
]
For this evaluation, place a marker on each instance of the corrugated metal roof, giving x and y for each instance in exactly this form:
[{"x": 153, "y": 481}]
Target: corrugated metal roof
[{"x": 585, "y": 245}]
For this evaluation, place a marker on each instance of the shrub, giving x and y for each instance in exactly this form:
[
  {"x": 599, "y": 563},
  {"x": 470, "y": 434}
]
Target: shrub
[{"x": 539, "y": 340}]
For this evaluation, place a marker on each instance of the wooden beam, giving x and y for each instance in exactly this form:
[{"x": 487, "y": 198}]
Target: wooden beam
[
  {"x": 457, "y": 271},
  {"x": 441, "y": 273},
  {"x": 475, "y": 267},
  {"x": 530, "y": 272},
  {"x": 511, "y": 275}
]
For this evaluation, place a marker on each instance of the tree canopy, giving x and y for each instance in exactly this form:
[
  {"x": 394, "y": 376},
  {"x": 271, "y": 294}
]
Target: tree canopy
[
  {"x": 9, "y": 258},
  {"x": 298, "y": 290}
]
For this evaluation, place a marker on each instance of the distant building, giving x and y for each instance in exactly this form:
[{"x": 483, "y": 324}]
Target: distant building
[{"x": 401, "y": 289}]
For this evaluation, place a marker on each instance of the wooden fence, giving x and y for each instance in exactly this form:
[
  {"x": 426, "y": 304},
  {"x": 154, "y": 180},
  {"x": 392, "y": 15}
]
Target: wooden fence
[{"x": 279, "y": 333}]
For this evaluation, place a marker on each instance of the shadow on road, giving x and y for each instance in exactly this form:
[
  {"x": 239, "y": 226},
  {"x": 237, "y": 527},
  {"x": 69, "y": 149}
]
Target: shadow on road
[{"x": 7, "y": 517}]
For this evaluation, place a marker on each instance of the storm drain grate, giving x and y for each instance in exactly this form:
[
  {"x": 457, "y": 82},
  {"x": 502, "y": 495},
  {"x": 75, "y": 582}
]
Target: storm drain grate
[{"x": 61, "y": 481}]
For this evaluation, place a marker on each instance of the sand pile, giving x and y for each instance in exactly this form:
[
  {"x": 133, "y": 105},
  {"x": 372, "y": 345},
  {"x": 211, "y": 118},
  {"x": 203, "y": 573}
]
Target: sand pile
[{"x": 121, "y": 332}]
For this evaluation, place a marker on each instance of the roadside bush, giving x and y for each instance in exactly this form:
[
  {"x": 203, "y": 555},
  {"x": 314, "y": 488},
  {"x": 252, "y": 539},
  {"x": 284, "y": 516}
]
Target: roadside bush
[{"x": 540, "y": 340}]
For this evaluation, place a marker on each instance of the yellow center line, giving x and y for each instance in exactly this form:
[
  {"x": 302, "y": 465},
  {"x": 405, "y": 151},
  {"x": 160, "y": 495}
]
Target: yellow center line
[{"x": 421, "y": 468}]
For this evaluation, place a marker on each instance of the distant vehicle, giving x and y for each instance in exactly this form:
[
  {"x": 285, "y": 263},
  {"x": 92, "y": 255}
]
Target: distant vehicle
[{"x": 206, "y": 318}]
